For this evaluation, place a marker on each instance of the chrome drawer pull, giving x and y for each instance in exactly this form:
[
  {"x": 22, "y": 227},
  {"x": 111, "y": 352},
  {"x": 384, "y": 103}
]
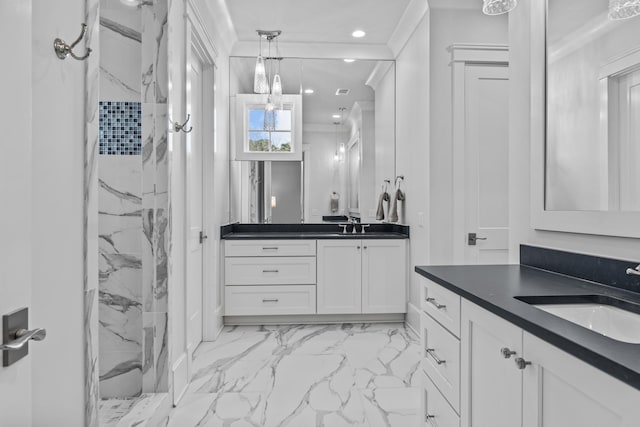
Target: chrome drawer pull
[
  {"x": 431, "y": 352},
  {"x": 270, "y": 271},
  {"x": 269, "y": 248},
  {"x": 270, "y": 300},
  {"x": 435, "y": 303}
]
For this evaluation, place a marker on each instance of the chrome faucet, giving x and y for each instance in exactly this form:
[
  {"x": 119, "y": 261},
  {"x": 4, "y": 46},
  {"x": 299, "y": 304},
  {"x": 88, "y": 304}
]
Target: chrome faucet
[{"x": 354, "y": 222}]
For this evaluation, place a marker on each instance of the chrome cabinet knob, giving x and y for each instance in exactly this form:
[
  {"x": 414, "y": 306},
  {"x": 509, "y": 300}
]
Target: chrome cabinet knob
[
  {"x": 506, "y": 352},
  {"x": 521, "y": 363}
]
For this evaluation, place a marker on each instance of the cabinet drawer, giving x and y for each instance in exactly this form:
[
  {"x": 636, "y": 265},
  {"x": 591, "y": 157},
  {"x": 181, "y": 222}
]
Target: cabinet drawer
[
  {"x": 435, "y": 411},
  {"x": 270, "y": 247},
  {"x": 260, "y": 300},
  {"x": 270, "y": 270},
  {"x": 441, "y": 359},
  {"x": 441, "y": 304}
]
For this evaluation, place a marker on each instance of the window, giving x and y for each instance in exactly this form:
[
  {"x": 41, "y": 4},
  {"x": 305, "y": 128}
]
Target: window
[
  {"x": 268, "y": 135},
  {"x": 269, "y": 130}
]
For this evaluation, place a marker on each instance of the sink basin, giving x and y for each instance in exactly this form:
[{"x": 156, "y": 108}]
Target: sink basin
[{"x": 611, "y": 317}]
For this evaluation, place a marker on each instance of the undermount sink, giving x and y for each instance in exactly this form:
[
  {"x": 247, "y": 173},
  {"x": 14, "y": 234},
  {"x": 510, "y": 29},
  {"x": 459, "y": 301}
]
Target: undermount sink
[{"x": 611, "y": 317}]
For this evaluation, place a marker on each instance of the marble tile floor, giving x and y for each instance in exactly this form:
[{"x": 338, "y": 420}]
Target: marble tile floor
[
  {"x": 145, "y": 410},
  {"x": 303, "y": 375}
]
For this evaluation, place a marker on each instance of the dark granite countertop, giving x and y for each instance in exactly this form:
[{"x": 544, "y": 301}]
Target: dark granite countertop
[
  {"x": 494, "y": 287},
  {"x": 310, "y": 231}
]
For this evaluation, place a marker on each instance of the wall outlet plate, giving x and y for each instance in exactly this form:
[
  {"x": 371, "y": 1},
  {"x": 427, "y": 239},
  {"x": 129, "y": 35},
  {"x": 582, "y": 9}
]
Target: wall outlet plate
[{"x": 12, "y": 322}]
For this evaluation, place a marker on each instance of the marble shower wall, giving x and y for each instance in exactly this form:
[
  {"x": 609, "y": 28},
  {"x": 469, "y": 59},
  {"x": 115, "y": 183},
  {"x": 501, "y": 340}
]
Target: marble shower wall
[{"x": 132, "y": 204}]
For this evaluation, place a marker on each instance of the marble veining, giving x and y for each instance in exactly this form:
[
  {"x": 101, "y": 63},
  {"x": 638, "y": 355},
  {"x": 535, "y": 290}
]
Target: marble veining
[
  {"x": 313, "y": 375},
  {"x": 139, "y": 412}
]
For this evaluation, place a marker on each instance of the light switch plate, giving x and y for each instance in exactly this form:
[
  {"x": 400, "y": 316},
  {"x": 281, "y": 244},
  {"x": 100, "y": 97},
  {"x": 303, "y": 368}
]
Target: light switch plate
[{"x": 11, "y": 323}]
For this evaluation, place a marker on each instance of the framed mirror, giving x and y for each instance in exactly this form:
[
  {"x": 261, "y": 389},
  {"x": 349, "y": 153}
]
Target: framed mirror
[
  {"x": 346, "y": 132},
  {"x": 592, "y": 136}
]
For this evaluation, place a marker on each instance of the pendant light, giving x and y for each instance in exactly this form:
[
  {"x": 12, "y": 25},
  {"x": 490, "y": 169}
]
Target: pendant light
[
  {"x": 623, "y": 9},
  {"x": 261, "y": 82},
  {"x": 498, "y": 7}
]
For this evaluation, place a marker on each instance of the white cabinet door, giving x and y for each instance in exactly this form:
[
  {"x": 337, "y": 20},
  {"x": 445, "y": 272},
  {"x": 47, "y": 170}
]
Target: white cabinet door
[
  {"x": 384, "y": 284},
  {"x": 559, "y": 391},
  {"x": 339, "y": 285},
  {"x": 491, "y": 385}
]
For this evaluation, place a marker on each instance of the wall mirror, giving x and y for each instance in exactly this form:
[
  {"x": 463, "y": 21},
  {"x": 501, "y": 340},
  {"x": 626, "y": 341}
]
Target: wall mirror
[
  {"x": 347, "y": 129},
  {"x": 592, "y": 151}
]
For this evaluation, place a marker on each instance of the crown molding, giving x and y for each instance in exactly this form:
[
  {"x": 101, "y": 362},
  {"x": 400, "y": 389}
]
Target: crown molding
[
  {"x": 377, "y": 74},
  {"x": 411, "y": 17},
  {"x": 218, "y": 13}
]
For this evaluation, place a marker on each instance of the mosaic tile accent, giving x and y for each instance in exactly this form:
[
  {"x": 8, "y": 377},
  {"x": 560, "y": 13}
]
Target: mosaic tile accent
[{"x": 120, "y": 128}]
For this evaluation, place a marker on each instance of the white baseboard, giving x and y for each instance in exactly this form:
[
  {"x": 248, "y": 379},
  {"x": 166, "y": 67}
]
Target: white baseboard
[
  {"x": 180, "y": 378},
  {"x": 310, "y": 319}
]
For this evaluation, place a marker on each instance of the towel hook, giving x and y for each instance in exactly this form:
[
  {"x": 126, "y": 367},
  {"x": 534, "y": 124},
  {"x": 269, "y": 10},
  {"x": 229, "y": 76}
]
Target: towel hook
[
  {"x": 177, "y": 127},
  {"x": 399, "y": 178},
  {"x": 63, "y": 49}
]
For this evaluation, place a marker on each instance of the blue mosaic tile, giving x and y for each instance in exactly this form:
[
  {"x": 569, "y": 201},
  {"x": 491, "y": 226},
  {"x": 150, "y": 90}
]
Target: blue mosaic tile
[{"x": 120, "y": 128}]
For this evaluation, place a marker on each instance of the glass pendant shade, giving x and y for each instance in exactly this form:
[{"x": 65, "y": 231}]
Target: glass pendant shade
[
  {"x": 276, "y": 91},
  {"x": 260, "y": 82},
  {"x": 498, "y": 7},
  {"x": 623, "y": 9}
]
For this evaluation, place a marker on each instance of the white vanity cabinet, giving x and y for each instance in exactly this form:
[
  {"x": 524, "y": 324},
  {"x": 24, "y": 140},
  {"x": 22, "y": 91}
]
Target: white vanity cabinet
[
  {"x": 270, "y": 277},
  {"x": 549, "y": 388},
  {"x": 361, "y": 276}
]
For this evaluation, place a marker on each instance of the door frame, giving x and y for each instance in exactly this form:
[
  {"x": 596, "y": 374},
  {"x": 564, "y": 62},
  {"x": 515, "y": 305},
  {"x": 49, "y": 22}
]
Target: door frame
[
  {"x": 463, "y": 55},
  {"x": 196, "y": 35}
]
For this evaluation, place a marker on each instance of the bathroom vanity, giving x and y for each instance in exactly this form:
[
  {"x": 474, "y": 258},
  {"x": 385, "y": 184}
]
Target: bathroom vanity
[
  {"x": 493, "y": 354},
  {"x": 277, "y": 273}
]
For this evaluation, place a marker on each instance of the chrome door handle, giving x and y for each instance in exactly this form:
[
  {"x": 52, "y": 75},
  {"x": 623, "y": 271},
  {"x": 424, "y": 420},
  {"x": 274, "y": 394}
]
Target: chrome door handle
[
  {"x": 22, "y": 337},
  {"x": 435, "y": 303},
  {"x": 203, "y": 237},
  {"x": 431, "y": 352},
  {"x": 472, "y": 238}
]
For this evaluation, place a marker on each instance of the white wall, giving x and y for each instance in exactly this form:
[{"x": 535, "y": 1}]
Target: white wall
[
  {"x": 412, "y": 159},
  {"x": 449, "y": 26},
  {"x": 525, "y": 28},
  {"x": 58, "y": 158},
  {"x": 385, "y": 131}
]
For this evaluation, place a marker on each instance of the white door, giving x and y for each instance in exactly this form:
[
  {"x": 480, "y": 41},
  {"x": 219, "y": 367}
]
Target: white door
[
  {"x": 339, "y": 288},
  {"x": 195, "y": 205},
  {"x": 15, "y": 193},
  {"x": 491, "y": 384},
  {"x": 487, "y": 164},
  {"x": 560, "y": 390},
  {"x": 384, "y": 284}
]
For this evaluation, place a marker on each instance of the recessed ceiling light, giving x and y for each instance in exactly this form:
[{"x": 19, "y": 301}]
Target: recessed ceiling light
[
  {"x": 358, "y": 33},
  {"x": 349, "y": 60},
  {"x": 336, "y": 116},
  {"x": 308, "y": 91}
]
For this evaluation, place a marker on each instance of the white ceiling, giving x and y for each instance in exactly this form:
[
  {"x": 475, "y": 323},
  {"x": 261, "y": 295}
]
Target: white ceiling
[
  {"x": 324, "y": 76},
  {"x": 326, "y": 21}
]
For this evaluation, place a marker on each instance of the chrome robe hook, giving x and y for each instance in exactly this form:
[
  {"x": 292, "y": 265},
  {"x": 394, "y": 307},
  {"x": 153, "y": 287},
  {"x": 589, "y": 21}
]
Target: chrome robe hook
[
  {"x": 177, "y": 127},
  {"x": 63, "y": 49}
]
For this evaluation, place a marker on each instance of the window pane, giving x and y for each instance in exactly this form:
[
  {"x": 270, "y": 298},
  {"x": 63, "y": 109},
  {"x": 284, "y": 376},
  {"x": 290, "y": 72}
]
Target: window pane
[
  {"x": 256, "y": 119},
  {"x": 282, "y": 119},
  {"x": 258, "y": 141},
  {"x": 281, "y": 141}
]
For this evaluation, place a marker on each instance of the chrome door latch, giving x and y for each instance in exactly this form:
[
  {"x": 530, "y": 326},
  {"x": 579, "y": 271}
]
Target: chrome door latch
[
  {"x": 16, "y": 336},
  {"x": 203, "y": 237}
]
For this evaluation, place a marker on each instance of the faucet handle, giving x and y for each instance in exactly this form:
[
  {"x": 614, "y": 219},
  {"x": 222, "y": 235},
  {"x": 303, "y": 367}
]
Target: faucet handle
[
  {"x": 364, "y": 226},
  {"x": 344, "y": 228}
]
